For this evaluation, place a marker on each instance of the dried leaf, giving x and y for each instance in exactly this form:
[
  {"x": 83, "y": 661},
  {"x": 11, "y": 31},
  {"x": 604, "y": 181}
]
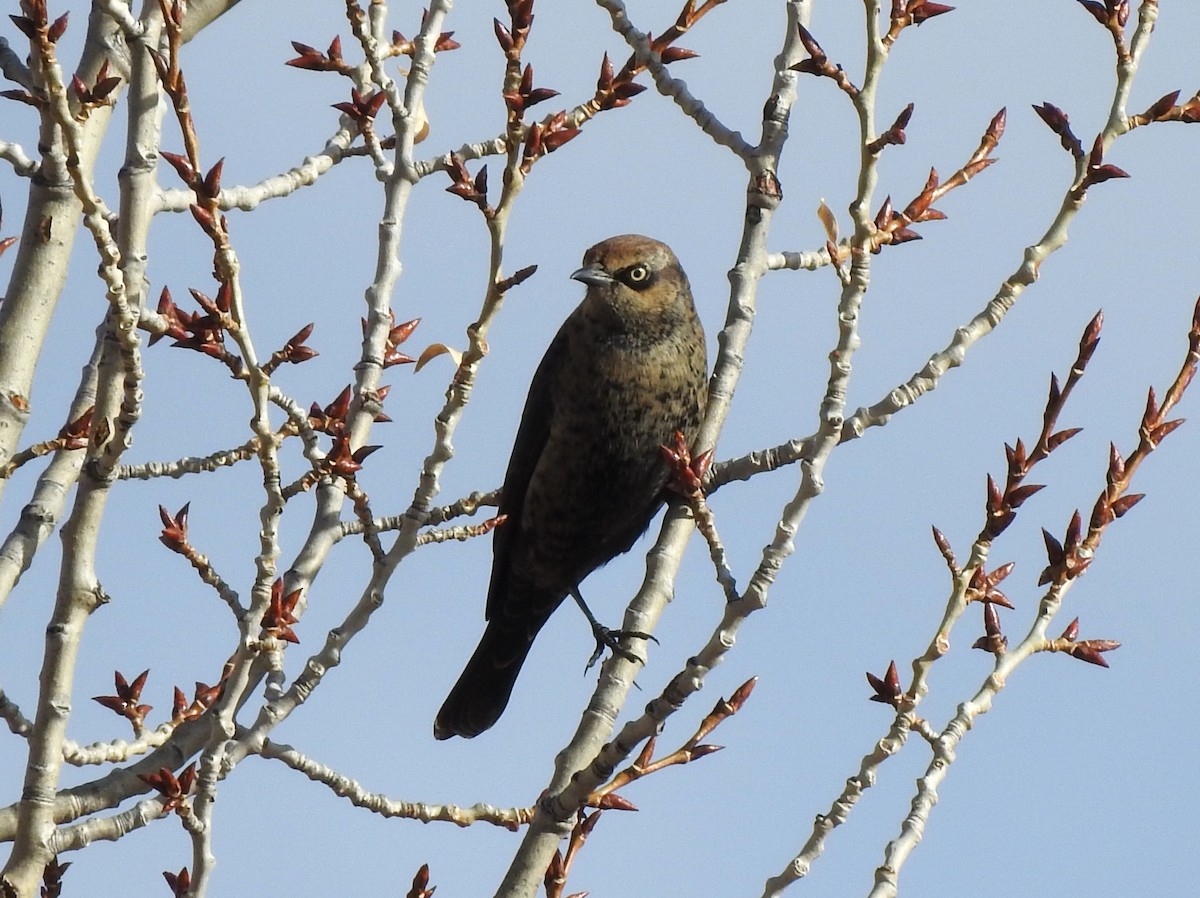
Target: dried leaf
[{"x": 433, "y": 351}]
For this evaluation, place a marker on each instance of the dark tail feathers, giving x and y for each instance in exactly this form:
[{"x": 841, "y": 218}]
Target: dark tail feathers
[{"x": 481, "y": 693}]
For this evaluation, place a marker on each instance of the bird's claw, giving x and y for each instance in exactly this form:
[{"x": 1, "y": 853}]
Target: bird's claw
[{"x": 610, "y": 639}]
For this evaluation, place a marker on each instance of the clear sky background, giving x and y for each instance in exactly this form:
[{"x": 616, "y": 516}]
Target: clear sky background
[{"x": 1080, "y": 782}]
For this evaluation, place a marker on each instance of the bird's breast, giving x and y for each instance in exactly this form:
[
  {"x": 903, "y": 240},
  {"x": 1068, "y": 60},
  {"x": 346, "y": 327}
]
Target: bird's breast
[{"x": 625, "y": 401}]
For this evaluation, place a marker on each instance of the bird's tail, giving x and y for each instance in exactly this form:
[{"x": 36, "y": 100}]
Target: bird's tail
[{"x": 481, "y": 693}]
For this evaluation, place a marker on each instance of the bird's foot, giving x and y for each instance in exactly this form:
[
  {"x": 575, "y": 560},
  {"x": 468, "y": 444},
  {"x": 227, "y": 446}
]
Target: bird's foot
[{"x": 609, "y": 639}]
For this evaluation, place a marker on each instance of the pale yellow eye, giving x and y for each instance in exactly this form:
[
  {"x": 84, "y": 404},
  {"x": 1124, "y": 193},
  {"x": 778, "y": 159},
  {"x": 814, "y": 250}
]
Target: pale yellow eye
[{"x": 639, "y": 274}]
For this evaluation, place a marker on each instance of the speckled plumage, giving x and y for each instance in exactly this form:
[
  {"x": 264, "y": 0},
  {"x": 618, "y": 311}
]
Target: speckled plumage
[{"x": 626, "y": 370}]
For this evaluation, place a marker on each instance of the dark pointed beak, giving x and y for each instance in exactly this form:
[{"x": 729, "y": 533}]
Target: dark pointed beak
[{"x": 592, "y": 275}]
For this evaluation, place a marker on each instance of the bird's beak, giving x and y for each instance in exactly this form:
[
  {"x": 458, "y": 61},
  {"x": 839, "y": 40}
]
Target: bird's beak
[{"x": 592, "y": 275}]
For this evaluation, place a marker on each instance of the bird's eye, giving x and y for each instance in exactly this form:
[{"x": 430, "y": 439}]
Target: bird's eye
[{"x": 637, "y": 276}]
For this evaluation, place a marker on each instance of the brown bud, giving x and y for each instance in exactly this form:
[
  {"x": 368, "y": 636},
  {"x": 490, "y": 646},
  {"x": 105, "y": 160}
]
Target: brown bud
[
  {"x": 1161, "y": 106},
  {"x": 1162, "y": 430},
  {"x": 180, "y": 883},
  {"x": 615, "y": 802},
  {"x": 1016, "y": 456},
  {"x": 675, "y": 54},
  {"x": 1071, "y": 631},
  {"x": 1102, "y": 514},
  {"x": 1057, "y": 439},
  {"x": 503, "y": 36},
  {"x": 212, "y": 181},
  {"x": 57, "y": 29},
  {"x": 1090, "y": 650},
  {"x": 604, "y": 82},
  {"x": 742, "y": 693},
  {"x": 25, "y": 26},
  {"x": 182, "y": 166},
  {"x": 810, "y": 44},
  {"x": 1122, "y": 505},
  {"x": 647, "y": 752},
  {"x": 445, "y": 41},
  {"x": 885, "y": 213},
  {"x": 943, "y": 545},
  {"x": 995, "y": 128},
  {"x": 1090, "y": 339},
  {"x": 1055, "y": 555},
  {"x": 887, "y": 690},
  {"x": 1017, "y": 497},
  {"x": 518, "y": 277},
  {"x": 175, "y": 530},
  {"x": 420, "y": 884},
  {"x": 995, "y": 500},
  {"x": 1060, "y": 124},
  {"x": 1096, "y": 9},
  {"x": 1150, "y": 415},
  {"x": 928, "y": 10}
]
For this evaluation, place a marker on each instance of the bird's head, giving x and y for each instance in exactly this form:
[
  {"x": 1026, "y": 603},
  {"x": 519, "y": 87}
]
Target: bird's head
[{"x": 635, "y": 282}]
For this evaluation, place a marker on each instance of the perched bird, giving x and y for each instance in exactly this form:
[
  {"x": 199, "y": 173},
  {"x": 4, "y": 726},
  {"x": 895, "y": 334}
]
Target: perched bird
[{"x": 626, "y": 370}]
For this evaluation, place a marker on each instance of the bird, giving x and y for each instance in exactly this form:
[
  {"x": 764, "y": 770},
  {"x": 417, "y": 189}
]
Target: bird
[{"x": 627, "y": 369}]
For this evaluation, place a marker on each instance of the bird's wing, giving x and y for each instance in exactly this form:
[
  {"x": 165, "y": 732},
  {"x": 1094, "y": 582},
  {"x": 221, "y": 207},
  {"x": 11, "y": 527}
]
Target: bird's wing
[{"x": 532, "y": 434}]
